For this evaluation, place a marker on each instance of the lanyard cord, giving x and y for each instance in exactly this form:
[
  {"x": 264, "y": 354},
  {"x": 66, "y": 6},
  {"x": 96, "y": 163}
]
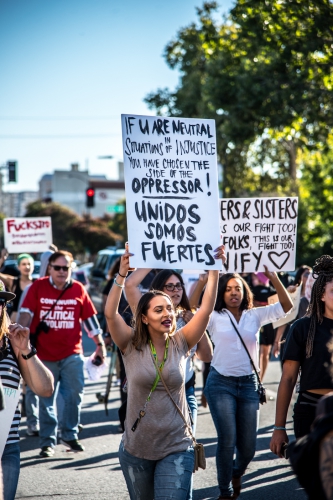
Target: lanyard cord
[
  {"x": 157, "y": 378},
  {"x": 153, "y": 351}
]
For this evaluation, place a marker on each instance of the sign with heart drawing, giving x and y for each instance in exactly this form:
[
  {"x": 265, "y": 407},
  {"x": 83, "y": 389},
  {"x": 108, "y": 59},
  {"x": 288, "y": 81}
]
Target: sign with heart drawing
[{"x": 258, "y": 232}]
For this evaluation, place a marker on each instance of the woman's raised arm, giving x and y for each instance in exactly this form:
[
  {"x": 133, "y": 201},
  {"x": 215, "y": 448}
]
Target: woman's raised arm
[
  {"x": 132, "y": 290},
  {"x": 121, "y": 332},
  {"x": 196, "y": 327}
]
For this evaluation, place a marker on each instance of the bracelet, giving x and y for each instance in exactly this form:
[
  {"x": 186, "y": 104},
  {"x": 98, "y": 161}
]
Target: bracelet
[
  {"x": 122, "y": 275},
  {"x": 277, "y": 428},
  {"x": 115, "y": 282},
  {"x": 101, "y": 344}
]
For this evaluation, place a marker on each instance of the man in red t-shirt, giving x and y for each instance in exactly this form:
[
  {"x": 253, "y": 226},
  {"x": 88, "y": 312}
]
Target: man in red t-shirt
[{"x": 55, "y": 307}]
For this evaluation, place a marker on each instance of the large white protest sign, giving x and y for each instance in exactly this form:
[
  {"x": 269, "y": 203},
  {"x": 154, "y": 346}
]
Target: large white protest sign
[
  {"x": 27, "y": 234},
  {"x": 258, "y": 232},
  {"x": 171, "y": 192},
  {"x": 296, "y": 298}
]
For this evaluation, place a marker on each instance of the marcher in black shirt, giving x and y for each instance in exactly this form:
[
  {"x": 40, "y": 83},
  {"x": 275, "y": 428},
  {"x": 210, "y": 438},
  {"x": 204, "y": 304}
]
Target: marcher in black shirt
[{"x": 307, "y": 348}]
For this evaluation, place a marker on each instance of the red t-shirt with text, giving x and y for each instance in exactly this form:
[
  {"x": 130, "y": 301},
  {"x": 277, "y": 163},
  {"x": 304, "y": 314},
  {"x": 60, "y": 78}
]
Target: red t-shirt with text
[{"x": 65, "y": 336}]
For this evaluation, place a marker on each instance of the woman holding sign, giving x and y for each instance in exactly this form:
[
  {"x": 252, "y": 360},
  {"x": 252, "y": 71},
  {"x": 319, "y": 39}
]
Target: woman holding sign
[
  {"x": 17, "y": 358},
  {"x": 232, "y": 387},
  {"x": 156, "y": 453},
  {"x": 171, "y": 283}
]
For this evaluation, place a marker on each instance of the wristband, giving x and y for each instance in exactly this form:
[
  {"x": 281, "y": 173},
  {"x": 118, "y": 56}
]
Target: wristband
[
  {"x": 122, "y": 275},
  {"x": 277, "y": 428},
  {"x": 33, "y": 352},
  {"x": 115, "y": 282}
]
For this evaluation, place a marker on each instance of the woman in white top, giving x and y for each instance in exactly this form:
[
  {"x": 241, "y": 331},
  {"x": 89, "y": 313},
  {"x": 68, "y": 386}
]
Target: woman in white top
[
  {"x": 156, "y": 453},
  {"x": 231, "y": 387}
]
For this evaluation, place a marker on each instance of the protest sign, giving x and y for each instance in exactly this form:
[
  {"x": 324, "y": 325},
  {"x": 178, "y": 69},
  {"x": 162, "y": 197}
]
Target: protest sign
[
  {"x": 27, "y": 234},
  {"x": 12, "y": 397},
  {"x": 296, "y": 298},
  {"x": 258, "y": 232},
  {"x": 171, "y": 192}
]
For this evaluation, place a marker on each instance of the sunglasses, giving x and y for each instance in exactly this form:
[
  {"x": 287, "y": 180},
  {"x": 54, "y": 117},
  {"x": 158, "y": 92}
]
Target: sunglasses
[
  {"x": 2, "y": 302},
  {"x": 60, "y": 268},
  {"x": 171, "y": 287}
]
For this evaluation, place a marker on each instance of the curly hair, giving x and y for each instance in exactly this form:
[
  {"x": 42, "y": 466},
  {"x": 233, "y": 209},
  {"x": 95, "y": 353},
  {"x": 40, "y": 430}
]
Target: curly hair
[
  {"x": 323, "y": 274},
  {"x": 247, "y": 302},
  {"x": 141, "y": 333}
]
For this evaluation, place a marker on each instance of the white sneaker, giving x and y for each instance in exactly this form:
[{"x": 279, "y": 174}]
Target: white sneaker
[{"x": 32, "y": 430}]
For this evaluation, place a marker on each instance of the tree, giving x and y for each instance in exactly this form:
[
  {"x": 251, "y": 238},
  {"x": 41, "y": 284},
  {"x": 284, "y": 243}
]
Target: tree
[
  {"x": 118, "y": 224},
  {"x": 315, "y": 235},
  {"x": 72, "y": 232},
  {"x": 264, "y": 74}
]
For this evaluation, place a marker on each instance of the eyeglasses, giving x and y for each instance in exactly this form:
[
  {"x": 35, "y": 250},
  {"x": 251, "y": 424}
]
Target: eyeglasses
[
  {"x": 171, "y": 287},
  {"x": 62, "y": 268}
]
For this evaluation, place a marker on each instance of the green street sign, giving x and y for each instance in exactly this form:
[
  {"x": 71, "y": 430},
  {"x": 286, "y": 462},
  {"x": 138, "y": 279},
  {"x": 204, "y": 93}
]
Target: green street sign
[{"x": 116, "y": 209}]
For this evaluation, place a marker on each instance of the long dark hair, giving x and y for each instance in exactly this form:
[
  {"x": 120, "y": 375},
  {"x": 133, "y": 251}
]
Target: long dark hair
[
  {"x": 323, "y": 274},
  {"x": 160, "y": 280},
  {"x": 247, "y": 302},
  {"x": 141, "y": 333},
  {"x": 298, "y": 276}
]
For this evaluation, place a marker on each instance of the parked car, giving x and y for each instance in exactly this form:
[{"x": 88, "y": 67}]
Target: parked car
[
  {"x": 81, "y": 274},
  {"x": 99, "y": 272}
]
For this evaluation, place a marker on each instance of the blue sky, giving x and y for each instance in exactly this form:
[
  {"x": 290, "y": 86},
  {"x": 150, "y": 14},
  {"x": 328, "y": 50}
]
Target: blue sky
[{"x": 69, "y": 68}]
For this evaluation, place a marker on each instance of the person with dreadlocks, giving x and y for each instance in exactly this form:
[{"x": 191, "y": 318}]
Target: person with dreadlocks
[{"x": 307, "y": 348}]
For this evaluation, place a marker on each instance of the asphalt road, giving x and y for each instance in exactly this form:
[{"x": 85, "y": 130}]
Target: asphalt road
[{"x": 95, "y": 473}]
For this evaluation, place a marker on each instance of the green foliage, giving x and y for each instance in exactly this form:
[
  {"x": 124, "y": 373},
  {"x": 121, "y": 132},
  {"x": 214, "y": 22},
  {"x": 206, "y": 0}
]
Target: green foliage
[
  {"x": 315, "y": 235},
  {"x": 264, "y": 74},
  {"x": 72, "y": 232},
  {"x": 118, "y": 224}
]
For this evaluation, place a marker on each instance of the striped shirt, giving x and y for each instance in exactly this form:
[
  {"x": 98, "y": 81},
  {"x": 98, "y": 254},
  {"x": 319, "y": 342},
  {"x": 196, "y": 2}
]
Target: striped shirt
[{"x": 10, "y": 377}]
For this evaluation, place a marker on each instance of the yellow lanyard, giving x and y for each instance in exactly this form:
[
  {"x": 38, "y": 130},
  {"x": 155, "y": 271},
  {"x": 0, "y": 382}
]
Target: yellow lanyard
[{"x": 153, "y": 351}]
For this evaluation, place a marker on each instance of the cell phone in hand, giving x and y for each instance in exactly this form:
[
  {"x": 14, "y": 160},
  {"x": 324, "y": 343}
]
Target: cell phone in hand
[{"x": 284, "y": 450}]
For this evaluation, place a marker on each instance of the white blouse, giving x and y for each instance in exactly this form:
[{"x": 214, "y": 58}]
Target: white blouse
[{"x": 230, "y": 358}]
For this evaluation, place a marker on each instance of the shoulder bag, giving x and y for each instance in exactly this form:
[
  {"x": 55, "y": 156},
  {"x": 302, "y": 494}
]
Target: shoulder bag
[
  {"x": 199, "y": 451},
  {"x": 261, "y": 388}
]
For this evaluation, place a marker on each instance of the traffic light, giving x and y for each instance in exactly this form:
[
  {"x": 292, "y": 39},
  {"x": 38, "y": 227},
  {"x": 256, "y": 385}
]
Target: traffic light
[
  {"x": 12, "y": 171},
  {"x": 90, "y": 197}
]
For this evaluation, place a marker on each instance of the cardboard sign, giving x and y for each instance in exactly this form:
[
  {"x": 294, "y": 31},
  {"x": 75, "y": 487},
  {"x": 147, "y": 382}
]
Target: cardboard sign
[
  {"x": 171, "y": 192},
  {"x": 12, "y": 397},
  {"x": 27, "y": 234},
  {"x": 296, "y": 298},
  {"x": 258, "y": 232}
]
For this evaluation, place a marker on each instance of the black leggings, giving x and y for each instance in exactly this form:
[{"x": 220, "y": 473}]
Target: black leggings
[{"x": 305, "y": 412}]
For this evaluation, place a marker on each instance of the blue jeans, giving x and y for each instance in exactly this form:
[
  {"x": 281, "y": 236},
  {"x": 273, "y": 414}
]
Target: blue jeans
[
  {"x": 68, "y": 375},
  {"x": 10, "y": 463},
  {"x": 234, "y": 405},
  {"x": 193, "y": 405},
  {"x": 168, "y": 478},
  {"x": 31, "y": 407}
]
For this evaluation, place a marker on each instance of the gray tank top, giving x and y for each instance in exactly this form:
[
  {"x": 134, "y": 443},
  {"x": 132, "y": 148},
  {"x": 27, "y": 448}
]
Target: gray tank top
[{"x": 161, "y": 431}]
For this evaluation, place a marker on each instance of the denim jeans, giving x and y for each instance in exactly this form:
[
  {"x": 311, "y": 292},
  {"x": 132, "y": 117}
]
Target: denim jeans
[
  {"x": 193, "y": 405},
  {"x": 31, "y": 408},
  {"x": 69, "y": 379},
  {"x": 10, "y": 463},
  {"x": 234, "y": 405},
  {"x": 168, "y": 478}
]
